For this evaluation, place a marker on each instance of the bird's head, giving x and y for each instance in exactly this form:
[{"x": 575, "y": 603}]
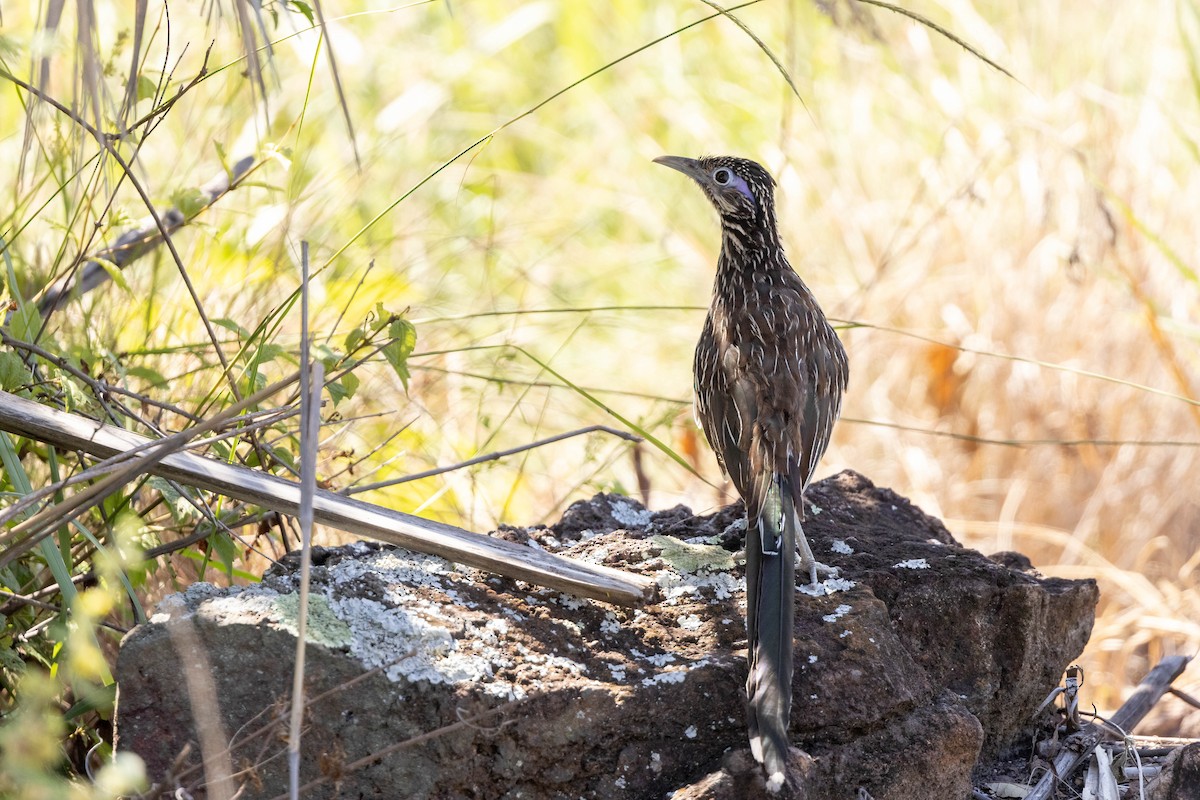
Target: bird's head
[{"x": 741, "y": 190}]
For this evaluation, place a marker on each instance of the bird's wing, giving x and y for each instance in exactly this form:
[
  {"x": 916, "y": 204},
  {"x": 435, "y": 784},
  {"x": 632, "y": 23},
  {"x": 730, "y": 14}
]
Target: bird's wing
[
  {"x": 726, "y": 408},
  {"x": 822, "y": 372}
]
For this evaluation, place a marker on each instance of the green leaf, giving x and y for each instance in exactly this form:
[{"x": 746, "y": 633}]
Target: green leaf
[
  {"x": 397, "y": 351},
  {"x": 150, "y": 376},
  {"x": 25, "y": 322},
  {"x": 147, "y": 87},
  {"x": 252, "y": 383},
  {"x": 115, "y": 273},
  {"x": 343, "y": 388},
  {"x": 225, "y": 549},
  {"x": 354, "y": 338},
  {"x": 190, "y": 201},
  {"x": 284, "y": 456},
  {"x": 305, "y": 9},
  {"x": 9, "y": 659},
  {"x": 232, "y": 326},
  {"x": 380, "y": 317},
  {"x": 13, "y": 372},
  {"x": 268, "y": 352},
  {"x": 181, "y": 510}
]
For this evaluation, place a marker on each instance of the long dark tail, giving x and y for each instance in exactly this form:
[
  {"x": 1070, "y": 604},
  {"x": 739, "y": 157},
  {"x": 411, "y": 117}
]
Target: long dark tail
[{"x": 770, "y": 598}]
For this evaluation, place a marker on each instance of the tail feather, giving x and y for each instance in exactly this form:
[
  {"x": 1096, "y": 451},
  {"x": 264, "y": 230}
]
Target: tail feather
[{"x": 770, "y": 598}]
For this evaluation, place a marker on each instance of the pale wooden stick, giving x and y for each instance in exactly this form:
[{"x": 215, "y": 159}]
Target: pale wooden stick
[{"x": 27, "y": 418}]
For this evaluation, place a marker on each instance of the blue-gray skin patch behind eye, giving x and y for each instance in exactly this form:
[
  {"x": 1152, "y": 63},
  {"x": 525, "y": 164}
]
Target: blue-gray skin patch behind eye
[{"x": 739, "y": 183}]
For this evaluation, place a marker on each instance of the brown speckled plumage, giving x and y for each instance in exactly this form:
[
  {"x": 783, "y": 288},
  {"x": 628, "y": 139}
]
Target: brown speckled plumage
[{"x": 769, "y": 378}]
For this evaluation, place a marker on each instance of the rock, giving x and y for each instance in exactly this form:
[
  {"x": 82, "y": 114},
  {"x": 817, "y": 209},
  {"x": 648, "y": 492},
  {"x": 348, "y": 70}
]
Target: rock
[
  {"x": 998, "y": 637},
  {"x": 740, "y": 776},
  {"x": 923, "y": 655},
  {"x": 1180, "y": 776}
]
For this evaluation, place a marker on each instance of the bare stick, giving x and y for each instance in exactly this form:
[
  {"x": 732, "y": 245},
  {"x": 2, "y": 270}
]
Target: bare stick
[
  {"x": 29, "y": 532},
  {"x": 312, "y": 377},
  {"x": 27, "y": 418},
  {"x": 1079, "y": 745}
]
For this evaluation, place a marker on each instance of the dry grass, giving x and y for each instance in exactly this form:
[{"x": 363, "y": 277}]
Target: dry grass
[{"x": 998, "y": 244}]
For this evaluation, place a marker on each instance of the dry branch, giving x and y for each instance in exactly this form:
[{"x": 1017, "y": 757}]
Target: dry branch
[
  {"x": 29, "y": 419},
  {"x": 1079, "y": 745},
  {"x": 134, "y": 243}
]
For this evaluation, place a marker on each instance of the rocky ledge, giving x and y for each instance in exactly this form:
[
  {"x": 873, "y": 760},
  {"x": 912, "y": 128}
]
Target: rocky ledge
[{"x": 430, "y": 680}]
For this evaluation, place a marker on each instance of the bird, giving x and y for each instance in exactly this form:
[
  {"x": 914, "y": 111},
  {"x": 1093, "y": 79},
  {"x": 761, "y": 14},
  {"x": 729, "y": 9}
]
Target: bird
[{"x": 770, "y": 373}]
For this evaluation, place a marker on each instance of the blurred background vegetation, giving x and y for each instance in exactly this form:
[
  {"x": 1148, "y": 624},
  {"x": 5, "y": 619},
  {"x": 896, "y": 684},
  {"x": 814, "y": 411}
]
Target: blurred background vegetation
[{"x": 1012, "y": 262}]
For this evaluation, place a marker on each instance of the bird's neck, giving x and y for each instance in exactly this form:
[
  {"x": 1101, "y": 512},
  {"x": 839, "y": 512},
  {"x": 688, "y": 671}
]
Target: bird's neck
[
  {"x": 749, "y": 248},
  {"x": 744, "y": 239}
]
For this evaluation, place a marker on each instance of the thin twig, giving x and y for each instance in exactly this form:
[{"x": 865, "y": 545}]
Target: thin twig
[
  {"x": 468, "y": 723},
  {"x": 928, "y": 23},
  {"x": 429, "y": 473},
  {"x": 311, "y": 382}
]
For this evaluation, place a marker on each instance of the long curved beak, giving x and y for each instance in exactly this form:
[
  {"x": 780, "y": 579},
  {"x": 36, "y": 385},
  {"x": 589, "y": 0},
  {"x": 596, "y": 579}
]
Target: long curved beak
[{"x": 688, "y": 166}]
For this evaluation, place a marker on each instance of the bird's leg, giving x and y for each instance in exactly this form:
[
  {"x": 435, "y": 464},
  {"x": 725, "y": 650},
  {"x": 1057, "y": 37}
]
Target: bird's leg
[{"x": 809, "y": 563}]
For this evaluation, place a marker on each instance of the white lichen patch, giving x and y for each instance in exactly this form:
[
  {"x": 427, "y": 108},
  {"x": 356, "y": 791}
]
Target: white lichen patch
[
  {"x": 654, "y": 659},
  {"x": 675, "y": 674},
  {"x": 393, "y": 610},
  {"x": 839, "y": 546},
  {"x": 248, "y": 608},
  {"x": 547, "y": 664},
  {"x": 629, "y": 515},
  {"x": 912, "y": 563},
  {"x": 662, "y": 678},
  {"x": 610, "y": 625},
  {"x": 838, "y": 613},
  {"x": 675, "y": 587},
  {"x": 827, "y": 587},
  {"x": 407, "y": 645},
  {"x": 597, "y": 555},
  {"x": 570, "y": 602},
  {"x": 815, "y": 509},
  {"x": 398, "y": 566}
]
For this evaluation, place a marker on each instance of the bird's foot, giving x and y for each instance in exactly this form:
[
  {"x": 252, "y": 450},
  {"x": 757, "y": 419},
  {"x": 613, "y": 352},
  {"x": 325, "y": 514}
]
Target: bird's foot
[
  {"x": 817, "y": 571},
  {"x": 818, "y": 574}
]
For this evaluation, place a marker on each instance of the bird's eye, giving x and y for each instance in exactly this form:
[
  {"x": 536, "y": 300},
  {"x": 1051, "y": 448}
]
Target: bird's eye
[{"x": 722, "y": 176}]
